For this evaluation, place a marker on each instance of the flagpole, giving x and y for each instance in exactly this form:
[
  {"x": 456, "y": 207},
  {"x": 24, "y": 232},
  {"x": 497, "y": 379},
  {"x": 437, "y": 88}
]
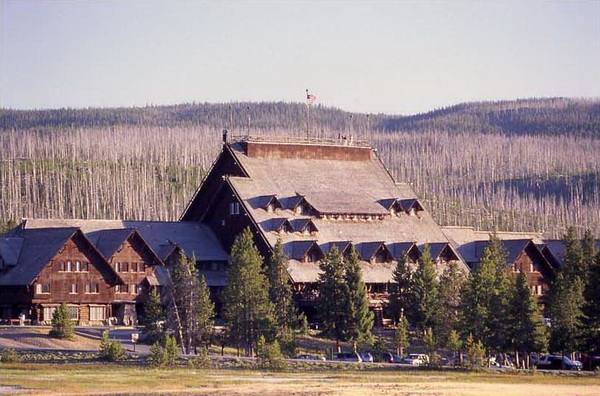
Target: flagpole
[{"x": 307, "y": 116}]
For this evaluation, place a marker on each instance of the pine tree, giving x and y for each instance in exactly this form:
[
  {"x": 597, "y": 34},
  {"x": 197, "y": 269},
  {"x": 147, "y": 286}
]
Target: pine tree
[
  {"x": 425, "y": 307},
  {"x": 452, "y": 281},
  {"x": 247, "y": 308},
  {"x": 454, "y": 343},
  {"x": 528, "y": 332},
  {"x": 191, "y": 301},
  {"x": 333, "y": 302},
  {"x": 503, "y": 290},
  {"x": 591, "y": 307},
  {"x": 360, "y": 318},
  {"x": 477, "y": 295},
  {"x": 153, "y": 317},
  {"x": 573, "y": 257},
  {"x": 280, "y": 291},
  {"x": 402, "y": 335},
  {"x": 62, "y": 326},
  {"x": 401, "y": 287},
  {"x": 565, "y": 301}
]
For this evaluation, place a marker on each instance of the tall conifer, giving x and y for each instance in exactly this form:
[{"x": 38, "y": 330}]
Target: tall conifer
[
  {"x": 425, "y": 308},
  {"x": 333, "y": 301},
  {"x": 360, "y": 320}
]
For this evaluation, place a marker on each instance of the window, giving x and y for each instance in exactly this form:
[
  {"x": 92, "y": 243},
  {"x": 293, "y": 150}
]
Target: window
[
  {"x": 122, "y": 288},
  {"x": 97, "y": 313},
  {"x": 42, "y": 288},
  {"x": 74, "y": 312},
  {"x": 234, "y": 208},
  {"x": 69, "y": 266},
  {"x": 84, "y": 266},
  {"x": 135, "y": 289},
  {"x": 48, "y": 312},
  {"x": 73, "y": 288},
  {"x": 92, "y": 288},
  {"x": 134, "y": 267},
  {"x": 299, "y": 209},
  {"x": 62, "y": 266},
  {"x": 122, "y": 267}
]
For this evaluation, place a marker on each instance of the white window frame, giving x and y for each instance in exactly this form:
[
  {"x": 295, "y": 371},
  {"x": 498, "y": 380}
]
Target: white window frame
[
  {"x": 73, "y": 290},
  {"x": 95, "y": 310}
]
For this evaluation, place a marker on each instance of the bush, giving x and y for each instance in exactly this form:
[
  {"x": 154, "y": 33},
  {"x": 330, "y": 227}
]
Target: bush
[
  {"x": 476, "y": 351},
  {"x": 200, "y": 361},
  {"x": 62, "y": 326},
  {"x": 303, "y": 324},
  {"x": 269, "y": 355},
  {"x": 164, "y": 356},
  {"x": 110, "y": 350},
  {"x": 10, "y": 356}
]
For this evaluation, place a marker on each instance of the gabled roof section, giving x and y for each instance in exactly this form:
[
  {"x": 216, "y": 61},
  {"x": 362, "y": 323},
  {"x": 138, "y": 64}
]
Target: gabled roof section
[
  {"x": 10, "y": 248},
  {"x": 368, "y": 250},
  {"x": 294, "y": 201},
  {"x": 39, "y": 248},
  {"x": 298, "y": 250},
  {"x": 303, "y": 225},
  {"x": 263, "y": 202},
  {"x": 412, "y": 203},
  {"x": 280, "y": 224},
  {"x": 110, "y": 241},
  {"x": 342, "y": 246},
  {"x": 401, "y": 249},
  {"x": 344, "y": 202},
  {"x": 443, "y": 250},
  {"x": 391, "y": 204},
  {"x": 193, "y": 237}
]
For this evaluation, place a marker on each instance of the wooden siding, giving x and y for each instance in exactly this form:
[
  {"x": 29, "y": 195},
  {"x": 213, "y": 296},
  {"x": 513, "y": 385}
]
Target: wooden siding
[
  {"x": 537, "y": 273},
  {"x": 225, "y": 165}
]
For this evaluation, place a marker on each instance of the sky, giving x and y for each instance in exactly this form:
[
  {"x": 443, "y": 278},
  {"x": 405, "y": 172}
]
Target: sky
[{"x": 394, "y": 57}]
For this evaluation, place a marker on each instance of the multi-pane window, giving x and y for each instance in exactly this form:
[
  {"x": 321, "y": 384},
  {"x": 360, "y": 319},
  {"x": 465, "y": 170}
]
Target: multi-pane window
[
  {"x": 135, "y": 289},
  {"x": 42, "y": 288},
  {"x": 92, "y": 288},
  {"x": 73, "y": 288},
  {"x": 69, "y": 266},
  {"x": 97, "y": 313},
  {"x": 122, "y": 288},
  {"x": 73, "y": 312},
  {"x": 134, "y": 267},
  {"x": 48, "y": 312},
  {"x": 84, "y": 266},
  {"x": 234, "y": 208}
]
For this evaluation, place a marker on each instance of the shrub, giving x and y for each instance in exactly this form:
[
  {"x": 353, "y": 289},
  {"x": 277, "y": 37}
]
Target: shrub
[
  {"x": 164, "y": 356},
  {"x": 156, "y": 357},
  {"x": 303, "y": 324},
  {"x": 10, "y": 356},
  {"x": 62, "y": 326},
  {"x": 200, "y": 361},
  {"x": 110, "y": 350},
  {"x": 269, "y": 355}
]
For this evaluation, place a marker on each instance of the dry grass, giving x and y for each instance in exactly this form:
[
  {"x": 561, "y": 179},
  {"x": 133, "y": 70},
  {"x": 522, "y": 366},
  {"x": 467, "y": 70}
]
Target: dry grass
[{"x": 44, "y": 379}]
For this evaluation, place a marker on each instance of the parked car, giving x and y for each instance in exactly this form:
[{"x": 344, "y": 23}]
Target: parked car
[
  {"x": 310, "y": 357},
  {"x": 347, "y": 357},
  {"x": 416, "y": 359},
  {"x": 366, "y": 357},
  {"x": 384, "y": 357},
  {"x": 557, "y": 362},
  {"x": 591, "y": 363}
]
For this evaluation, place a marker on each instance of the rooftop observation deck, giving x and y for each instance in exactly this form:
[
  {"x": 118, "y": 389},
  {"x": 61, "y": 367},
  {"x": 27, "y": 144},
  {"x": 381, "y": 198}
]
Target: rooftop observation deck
[
  {"x": 299, "y": 148},
  {"x": 343, "y": 140},
  {"x": 344, "y": 148}
]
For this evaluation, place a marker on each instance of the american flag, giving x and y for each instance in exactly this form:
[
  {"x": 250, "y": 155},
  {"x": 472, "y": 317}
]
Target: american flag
[{"x": 310, "y": 98}]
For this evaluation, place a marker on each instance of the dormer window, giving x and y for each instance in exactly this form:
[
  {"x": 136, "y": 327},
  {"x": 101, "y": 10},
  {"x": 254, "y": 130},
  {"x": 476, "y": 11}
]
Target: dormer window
[
  {"x": 234, "y": 208},
  {"x": 270, "y": 208},
  {"x": 299, "y": 209}
]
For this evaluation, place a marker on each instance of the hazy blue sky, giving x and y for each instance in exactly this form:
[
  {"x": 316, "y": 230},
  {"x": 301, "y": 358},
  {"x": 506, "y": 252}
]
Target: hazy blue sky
[{"x": 378, "y": 56}]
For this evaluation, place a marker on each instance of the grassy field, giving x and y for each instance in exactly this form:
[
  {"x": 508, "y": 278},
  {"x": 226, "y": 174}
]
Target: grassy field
[{"x": 99, "y": 379}]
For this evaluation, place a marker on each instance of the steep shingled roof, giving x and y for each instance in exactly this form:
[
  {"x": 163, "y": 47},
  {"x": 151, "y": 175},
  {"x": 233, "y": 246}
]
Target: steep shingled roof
[
  {"x": 162, "y": 236},
  {"x": 38, "y": 248}
]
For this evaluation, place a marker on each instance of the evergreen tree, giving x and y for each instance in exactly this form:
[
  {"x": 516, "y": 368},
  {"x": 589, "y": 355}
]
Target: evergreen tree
[
  {"x": 564, "y": 309},
  {"x": 477, "y": 295},
  {"x": 591, "y": 307},
  {"x": 62, "y": 326},
  {"x": 502, "y": 292},
  {"x": 401, "y": 287},
  {"x": 588, "y": 250},
  {"x": 451, "y": 285},
  {"x": 190, "y": 299},
  {"x": 360, "y": 318},
  {"x": 425, "y": 307},
  {"x": 333, "y": 302},
  {"x": 454, "y": 343},
  {"x": 573, "y": 257},
  {"x": 528, "y": 331},
  {"x": 402, "y": 336},
  {"x": 153, "y": 316},
  {"x": 247, "y": 308},
  {"x": 280, "y": 291}
]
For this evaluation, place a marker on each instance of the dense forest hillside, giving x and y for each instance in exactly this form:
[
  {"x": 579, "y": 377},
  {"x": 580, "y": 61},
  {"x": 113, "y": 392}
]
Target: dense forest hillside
[{"x": 518, "y": 165}]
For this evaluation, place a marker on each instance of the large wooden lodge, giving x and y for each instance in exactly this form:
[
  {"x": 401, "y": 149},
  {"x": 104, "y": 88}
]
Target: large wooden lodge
[{"x": 310, "y": 194}]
